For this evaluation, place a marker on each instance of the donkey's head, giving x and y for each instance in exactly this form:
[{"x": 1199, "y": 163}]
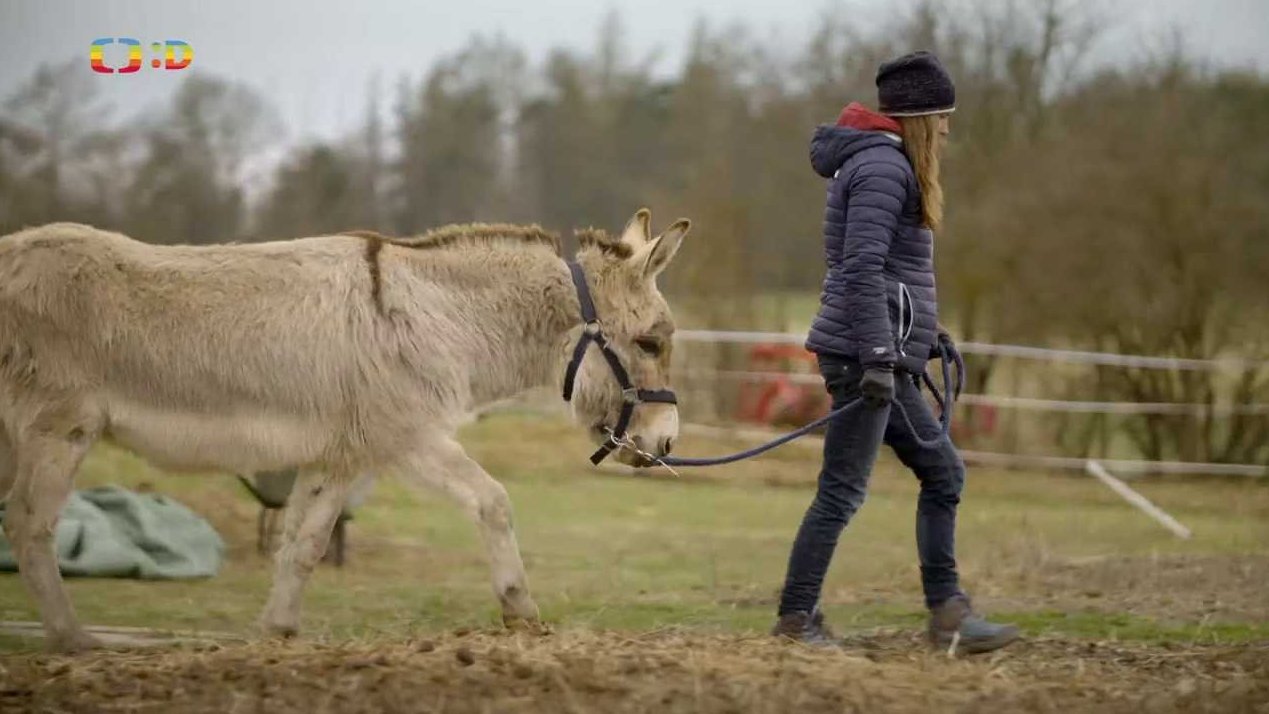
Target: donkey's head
[{"x": 636, "y": 321}]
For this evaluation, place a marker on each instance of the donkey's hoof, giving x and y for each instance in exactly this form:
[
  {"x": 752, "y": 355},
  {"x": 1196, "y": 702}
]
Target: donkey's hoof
[
  {"x": 529, "y": 625},
  {"x": 78, "y": 641},
  {"x": 278, "y": 630}
]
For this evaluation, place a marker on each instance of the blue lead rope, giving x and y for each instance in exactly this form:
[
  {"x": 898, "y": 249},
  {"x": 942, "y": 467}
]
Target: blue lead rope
[{"x": 946, "y": 401}]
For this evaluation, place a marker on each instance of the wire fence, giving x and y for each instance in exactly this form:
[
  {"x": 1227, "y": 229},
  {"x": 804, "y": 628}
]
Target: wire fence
[
  {"x": 1009, "y": 457},
  {"x": 1047, "y": 354},
  {"x": 1023, "y": 403}
]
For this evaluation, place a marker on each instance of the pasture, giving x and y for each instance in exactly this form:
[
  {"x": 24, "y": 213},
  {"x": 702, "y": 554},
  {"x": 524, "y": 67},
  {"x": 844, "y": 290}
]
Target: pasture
[{"x": 659, "y": 592}]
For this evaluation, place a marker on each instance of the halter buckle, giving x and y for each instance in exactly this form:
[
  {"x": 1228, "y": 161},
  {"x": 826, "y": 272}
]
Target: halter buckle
[{"x": 630, "y": 396}]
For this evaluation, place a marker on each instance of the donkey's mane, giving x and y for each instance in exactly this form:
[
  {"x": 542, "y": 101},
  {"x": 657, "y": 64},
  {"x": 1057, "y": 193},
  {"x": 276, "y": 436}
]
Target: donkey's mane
[
  {"x": 602, "y": 241},
  {"x": 466, "y": 234},
  {"x": 452, "y": 236}
]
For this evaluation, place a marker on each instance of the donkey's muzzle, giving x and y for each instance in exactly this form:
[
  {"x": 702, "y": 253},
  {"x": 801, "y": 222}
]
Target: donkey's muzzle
[{"x": 663, "y": 446}]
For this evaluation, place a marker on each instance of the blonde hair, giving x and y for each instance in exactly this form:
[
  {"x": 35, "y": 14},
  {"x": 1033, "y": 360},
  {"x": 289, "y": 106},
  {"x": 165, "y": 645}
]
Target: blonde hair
[{"x": 921, "y": 142}]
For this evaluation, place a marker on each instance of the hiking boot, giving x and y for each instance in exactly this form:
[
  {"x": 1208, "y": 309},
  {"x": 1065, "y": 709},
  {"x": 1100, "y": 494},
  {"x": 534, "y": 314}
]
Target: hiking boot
[
  {"x": 955, "y": 627},
  {"x": 807, "y": 628}
]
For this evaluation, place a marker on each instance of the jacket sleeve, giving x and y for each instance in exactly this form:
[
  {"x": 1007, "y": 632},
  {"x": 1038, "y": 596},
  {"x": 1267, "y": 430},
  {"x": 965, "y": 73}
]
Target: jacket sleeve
[{"x": 874, "y": 200}]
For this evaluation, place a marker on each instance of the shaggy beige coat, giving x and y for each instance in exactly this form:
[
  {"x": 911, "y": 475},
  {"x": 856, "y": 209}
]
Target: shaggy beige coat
[{"x": 341, "y": 355}]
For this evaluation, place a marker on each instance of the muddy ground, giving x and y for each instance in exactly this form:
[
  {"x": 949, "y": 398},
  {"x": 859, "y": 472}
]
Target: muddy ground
[{"x": 667, "y": 671}]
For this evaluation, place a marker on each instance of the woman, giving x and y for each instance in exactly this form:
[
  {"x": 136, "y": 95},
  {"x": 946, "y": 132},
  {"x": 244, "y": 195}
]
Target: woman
[{"x": 876, "y": 328}]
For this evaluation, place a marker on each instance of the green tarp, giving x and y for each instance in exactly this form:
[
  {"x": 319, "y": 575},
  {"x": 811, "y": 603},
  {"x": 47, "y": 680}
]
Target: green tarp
[{"x": 113, "y": 532}]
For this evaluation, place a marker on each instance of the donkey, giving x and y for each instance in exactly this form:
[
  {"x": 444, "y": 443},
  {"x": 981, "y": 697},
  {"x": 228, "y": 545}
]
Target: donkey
[{"x": 339, "y": 355}]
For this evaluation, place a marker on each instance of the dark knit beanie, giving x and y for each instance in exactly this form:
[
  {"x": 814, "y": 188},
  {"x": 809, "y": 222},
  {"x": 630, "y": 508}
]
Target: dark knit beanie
[{"x": 913, "y": 85}]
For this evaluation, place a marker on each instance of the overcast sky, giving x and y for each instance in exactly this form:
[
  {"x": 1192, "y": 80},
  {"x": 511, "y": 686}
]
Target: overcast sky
[{"x": 314, "y": 58}]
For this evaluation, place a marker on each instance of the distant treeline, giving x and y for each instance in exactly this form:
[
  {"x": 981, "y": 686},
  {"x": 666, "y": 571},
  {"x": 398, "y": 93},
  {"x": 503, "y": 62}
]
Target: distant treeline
[{"x": 1121, "y": 209}]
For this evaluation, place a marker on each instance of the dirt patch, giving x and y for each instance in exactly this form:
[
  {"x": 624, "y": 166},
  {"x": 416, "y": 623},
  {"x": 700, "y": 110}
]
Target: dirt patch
[
  {"x": 670, "y": 671},
  {"x": 1180, "y": 587}
]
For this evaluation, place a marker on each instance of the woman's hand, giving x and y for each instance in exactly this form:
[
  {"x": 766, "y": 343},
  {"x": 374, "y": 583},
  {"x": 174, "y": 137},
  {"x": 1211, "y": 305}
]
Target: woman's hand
[
  {"x": 942, "y": 343},
  {"x": 945, "y": 349},
  {"x": 877, "y": 386}
]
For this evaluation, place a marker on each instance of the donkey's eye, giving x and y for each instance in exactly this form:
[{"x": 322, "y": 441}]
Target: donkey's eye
[{"x": 649, "y": 346}]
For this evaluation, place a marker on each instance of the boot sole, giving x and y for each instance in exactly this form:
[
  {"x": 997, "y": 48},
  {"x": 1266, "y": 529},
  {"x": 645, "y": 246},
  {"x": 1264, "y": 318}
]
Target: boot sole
[{"x": 973, "y": 647}]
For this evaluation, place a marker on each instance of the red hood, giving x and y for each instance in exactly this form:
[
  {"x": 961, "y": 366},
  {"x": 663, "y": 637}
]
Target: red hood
[{"x": 857, "y": 116}]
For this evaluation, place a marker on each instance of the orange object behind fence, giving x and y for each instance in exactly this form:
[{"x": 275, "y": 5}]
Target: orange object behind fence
[
  {"x": 771, "y": 397},
  {"x": 779, "y": 400}
]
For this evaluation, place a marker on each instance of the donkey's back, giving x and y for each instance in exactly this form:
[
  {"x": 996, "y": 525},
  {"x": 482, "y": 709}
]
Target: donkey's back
[{"x": 231, "y": 356}]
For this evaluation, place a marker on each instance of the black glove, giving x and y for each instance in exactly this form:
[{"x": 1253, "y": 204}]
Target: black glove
[
  {"x": 877, "y": 386},
  {"x": 945, "y": 349},
  {"x": 942, "y": 343}
]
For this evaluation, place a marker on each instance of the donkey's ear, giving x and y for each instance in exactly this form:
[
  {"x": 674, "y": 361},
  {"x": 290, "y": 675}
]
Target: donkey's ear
[
  {"x": 638, "y": 232},
  {"x": 660, "y": 252}
]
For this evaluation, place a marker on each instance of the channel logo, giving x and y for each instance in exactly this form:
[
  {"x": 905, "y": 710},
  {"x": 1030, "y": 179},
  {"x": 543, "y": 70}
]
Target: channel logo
[{"x": 169, "y": 55}]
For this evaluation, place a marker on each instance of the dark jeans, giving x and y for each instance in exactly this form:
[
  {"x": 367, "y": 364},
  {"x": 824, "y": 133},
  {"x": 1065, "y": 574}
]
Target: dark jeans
[{"x": 850, "y": 448}]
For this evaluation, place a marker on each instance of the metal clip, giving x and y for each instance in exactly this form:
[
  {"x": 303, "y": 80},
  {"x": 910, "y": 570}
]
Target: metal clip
[
  {"x": 593, "y": 328},
  {"x": 630, "y": 396},
  {"x": 625, "y": 442}
]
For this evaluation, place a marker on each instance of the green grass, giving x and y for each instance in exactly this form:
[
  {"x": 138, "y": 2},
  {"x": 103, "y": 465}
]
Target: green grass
[
  {"x": 1058, "y": 554},
  {"x": 1129, "y": 627}
]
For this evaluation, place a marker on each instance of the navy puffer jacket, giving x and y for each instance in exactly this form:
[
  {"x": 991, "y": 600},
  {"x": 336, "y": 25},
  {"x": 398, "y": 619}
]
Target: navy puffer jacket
[{"x": 878, "y": 304}]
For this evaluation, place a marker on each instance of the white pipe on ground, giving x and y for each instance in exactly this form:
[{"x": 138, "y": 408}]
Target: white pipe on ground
[{"x": 1099, "y": 472}]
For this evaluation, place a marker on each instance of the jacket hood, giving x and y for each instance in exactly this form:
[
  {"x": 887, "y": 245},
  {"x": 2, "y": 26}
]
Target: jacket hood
[
  {"x": 857, "y": 116},
  {"x": 857, "y": 128}
]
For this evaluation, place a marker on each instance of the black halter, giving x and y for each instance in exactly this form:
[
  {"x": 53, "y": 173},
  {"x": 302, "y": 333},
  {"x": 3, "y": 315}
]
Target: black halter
[{"x": 630, "y": 395}]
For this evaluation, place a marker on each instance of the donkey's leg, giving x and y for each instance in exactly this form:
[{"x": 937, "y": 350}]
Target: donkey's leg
[
  {"x": 8, "y": 464},
  {"x": 46, "y": 466},
  {"x": 445, "y": 467},
  {"x": 311, "y": 511}
]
